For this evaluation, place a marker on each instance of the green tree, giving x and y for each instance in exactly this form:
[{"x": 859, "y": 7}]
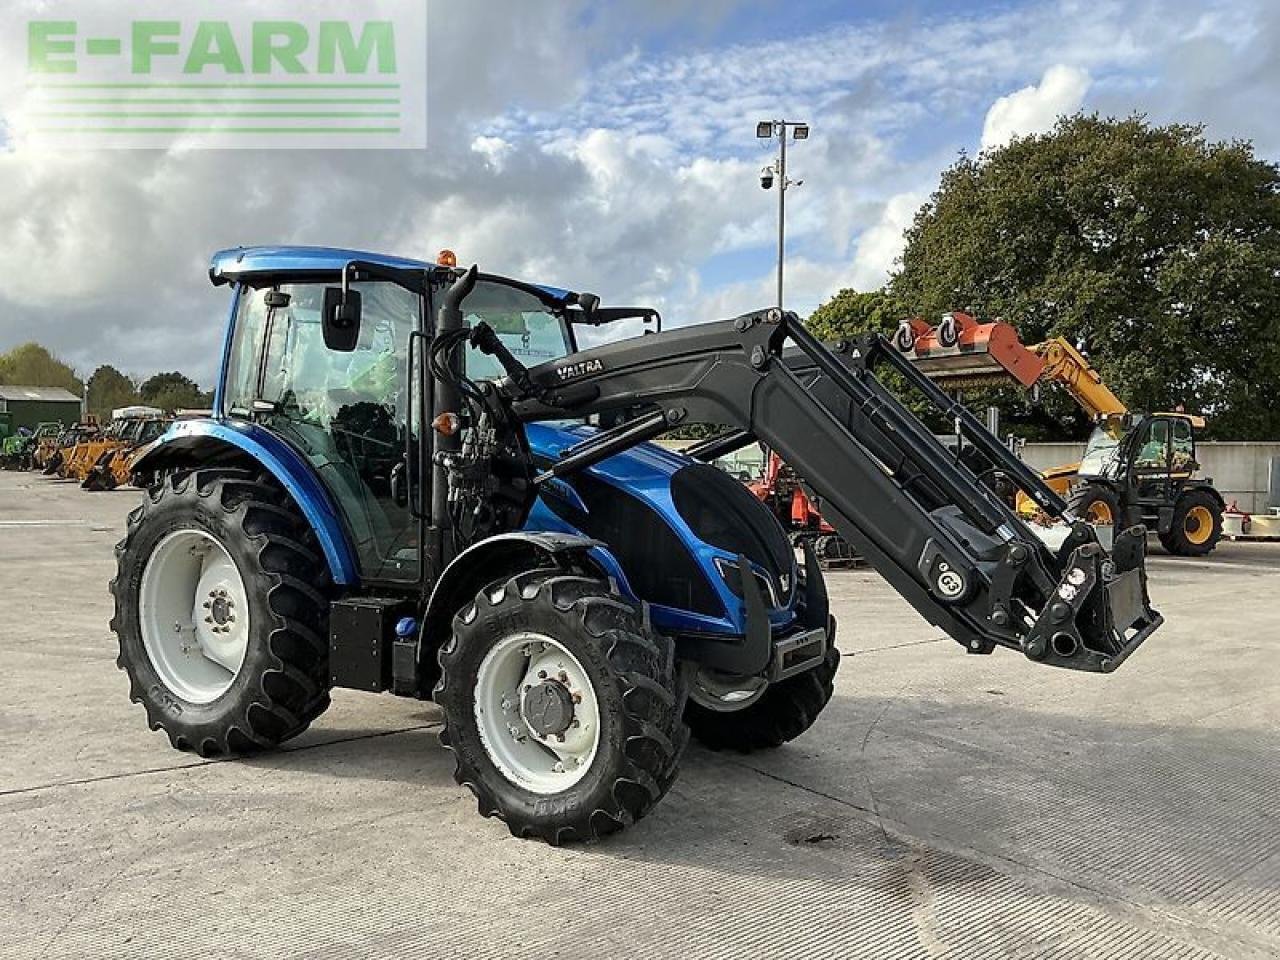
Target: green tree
[
  {"x": 108, "y": 389},
  {"x": 171, "y": 391},
  {"x": 852, "y": 312},
  {"x": 31, "y": 365},
  {"x": 1154, "y": 250}
]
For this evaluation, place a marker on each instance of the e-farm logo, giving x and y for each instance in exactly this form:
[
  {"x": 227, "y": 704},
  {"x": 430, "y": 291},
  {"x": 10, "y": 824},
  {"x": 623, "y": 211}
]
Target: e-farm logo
[{"x": 225, "y": 74}]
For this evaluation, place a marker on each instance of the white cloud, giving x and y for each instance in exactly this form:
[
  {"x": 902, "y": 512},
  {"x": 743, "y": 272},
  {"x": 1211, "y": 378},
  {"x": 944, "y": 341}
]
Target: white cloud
[
  {"x": 1035, "y": 108},
  {"x": 495, "y": 151},
  {"x": 879, "y": 246}
]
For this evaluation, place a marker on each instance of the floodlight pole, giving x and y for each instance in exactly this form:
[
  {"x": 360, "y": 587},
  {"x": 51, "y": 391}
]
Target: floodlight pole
[
  {"x": 782, "y": 203},
  {"x": 779, "y": 129}
]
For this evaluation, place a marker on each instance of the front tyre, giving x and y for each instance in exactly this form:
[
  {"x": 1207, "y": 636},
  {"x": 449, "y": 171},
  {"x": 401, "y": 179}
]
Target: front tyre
[
  {"x": 749, "y": 714},
  {"x": 561, "y": 707},
  {"x": 1097, "y": 504},
  {"x": 221, "y": 614}
]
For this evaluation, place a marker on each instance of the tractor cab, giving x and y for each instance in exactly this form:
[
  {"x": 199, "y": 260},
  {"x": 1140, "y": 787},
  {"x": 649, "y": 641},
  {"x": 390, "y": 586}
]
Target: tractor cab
[
  {"x": 351, "y": 395},
  {"x": 353, "y": 402}
]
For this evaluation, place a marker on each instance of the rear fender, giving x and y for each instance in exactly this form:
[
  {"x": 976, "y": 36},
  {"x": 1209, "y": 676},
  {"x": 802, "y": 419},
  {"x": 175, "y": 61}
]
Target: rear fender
[{"x": 195, "y": 442}]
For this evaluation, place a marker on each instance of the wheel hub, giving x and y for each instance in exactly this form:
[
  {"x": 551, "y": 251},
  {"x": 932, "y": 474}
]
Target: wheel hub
[
  {"x": 220, "y": 607},
  {"x": 547, "y": 708},
  {"x": 194, "y": 615},
  {"x": 537, "y": 712}
]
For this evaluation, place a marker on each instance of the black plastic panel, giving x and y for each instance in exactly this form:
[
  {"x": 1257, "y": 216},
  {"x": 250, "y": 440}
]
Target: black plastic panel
[
  {"x": 723, "y": 513},
  {"x": 656, "y": 561}
]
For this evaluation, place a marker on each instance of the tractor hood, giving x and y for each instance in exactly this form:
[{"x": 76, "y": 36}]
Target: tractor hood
[{"x": 675, "y": 527}]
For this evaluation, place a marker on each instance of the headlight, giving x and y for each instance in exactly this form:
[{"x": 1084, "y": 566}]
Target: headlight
[{"x": 729, "y": 572}]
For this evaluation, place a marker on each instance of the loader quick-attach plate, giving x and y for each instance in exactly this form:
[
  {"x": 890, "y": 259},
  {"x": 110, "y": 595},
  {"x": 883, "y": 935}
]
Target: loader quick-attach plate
[
  {"x": 1126, "y": 598},
  {"x": 1100, "y": 612}
]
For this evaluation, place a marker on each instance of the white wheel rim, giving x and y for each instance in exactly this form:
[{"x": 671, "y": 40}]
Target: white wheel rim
[
  {"x": 726, "y": 694},
  {"x": 194, "y": 615},
  {"x": 538, "y": 762}
]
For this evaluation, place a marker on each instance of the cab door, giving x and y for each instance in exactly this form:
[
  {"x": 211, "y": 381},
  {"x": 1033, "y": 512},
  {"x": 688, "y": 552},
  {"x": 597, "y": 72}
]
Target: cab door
[
  {"x": 1152, "y": 455},
  {"x": 353, "y": 415}
]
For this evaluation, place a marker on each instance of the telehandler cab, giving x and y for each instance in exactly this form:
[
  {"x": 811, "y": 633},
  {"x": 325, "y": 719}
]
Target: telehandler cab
[{"x": 397, "y": 491}]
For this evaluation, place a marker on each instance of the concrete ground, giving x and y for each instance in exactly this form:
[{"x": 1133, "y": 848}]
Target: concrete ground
[{"x": 944, "y": 805}]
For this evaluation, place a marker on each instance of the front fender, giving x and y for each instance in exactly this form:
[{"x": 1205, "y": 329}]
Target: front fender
[
  {"x": 495, "y": 559},
  {"x": 190, "y": 442}
]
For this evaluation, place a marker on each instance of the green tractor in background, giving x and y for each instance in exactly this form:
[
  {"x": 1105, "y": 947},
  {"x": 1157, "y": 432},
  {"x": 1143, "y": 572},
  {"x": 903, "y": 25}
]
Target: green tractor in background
[{"x": 18, "y": 448}]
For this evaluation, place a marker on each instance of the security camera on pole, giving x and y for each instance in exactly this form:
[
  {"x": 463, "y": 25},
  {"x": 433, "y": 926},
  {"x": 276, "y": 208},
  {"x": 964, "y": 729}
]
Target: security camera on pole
[{"x": 766, "y": 129}]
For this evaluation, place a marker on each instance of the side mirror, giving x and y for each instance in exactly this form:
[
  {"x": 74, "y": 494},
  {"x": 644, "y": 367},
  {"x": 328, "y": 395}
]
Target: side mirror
[{"x": 341, "y": 319}]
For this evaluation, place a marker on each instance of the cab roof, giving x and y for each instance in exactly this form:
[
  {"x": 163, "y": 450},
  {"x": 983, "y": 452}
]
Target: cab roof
[{"x": 237, "y": 263}]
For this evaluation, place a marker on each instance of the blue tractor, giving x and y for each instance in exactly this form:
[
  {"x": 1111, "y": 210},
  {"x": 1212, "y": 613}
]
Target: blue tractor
[{"x": 415, "y": 481}]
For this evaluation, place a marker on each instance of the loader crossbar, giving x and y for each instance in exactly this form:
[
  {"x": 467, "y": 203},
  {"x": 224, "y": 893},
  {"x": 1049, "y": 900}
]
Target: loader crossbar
[
  {"x": 923, "y": 518},
  {"x": 875, "y": 349}
]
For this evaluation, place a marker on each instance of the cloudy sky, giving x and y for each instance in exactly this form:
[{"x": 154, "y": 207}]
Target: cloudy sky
[{"x": 610, "y": 147}]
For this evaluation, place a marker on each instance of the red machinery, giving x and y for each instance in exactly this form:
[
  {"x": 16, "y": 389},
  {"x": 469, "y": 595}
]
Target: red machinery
[{"x": 780, "y": 490}]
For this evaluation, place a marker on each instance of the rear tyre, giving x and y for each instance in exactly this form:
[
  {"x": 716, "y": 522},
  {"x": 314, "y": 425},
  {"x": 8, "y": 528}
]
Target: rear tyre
[
  {"x": 1197, "y": 525},
  {"x": 745, "y": 717},
  {"x": 561, "y": 707},
  {"x": 221, "y": 612},
  {"x": 1096, "y": 504}
]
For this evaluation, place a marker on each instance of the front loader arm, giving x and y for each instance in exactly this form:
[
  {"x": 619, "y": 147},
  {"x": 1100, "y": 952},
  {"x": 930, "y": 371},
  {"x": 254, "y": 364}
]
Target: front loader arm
[{"x": 959, "y": 555}]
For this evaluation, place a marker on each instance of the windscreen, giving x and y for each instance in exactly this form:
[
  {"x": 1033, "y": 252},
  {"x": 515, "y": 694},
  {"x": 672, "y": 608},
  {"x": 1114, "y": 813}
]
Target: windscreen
[
  {"x": 530, "y": 328},
  {"x": 1102, "y": 450}
]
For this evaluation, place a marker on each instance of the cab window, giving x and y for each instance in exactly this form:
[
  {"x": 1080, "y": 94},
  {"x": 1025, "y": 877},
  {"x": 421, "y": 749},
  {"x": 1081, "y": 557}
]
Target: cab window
[
  {"x": 530, "y": 328},
  {"x": 241, "y": 384},
  {"x": 1184, "y": 446},
  {"x": 1153, "y": 453},
  {"x": 351, "y": 414}
]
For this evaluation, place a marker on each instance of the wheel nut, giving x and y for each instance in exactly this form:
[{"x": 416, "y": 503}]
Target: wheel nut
[
  {"x": 542, "y": 674},
  {"x": 207, "y": 604},
  {"x": 577, "y": 698},
  {"x": 562, "y": 677},
  {"x": 558, "y": 767},
  {"x": 560, "y": 737}
]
